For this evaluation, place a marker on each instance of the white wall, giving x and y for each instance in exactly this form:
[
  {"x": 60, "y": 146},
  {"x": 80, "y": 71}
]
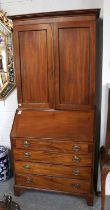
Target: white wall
[
  {"x": 7, "y": 110},
  {"x": 33, "y": 6}
]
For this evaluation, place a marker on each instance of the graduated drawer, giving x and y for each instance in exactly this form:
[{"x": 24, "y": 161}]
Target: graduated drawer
[
  {"x": 53, "y": 170},
  {"x": 54, "y": 145},
  {"x": 52, "y": 157},
  {"x": 53, "y": 183}
]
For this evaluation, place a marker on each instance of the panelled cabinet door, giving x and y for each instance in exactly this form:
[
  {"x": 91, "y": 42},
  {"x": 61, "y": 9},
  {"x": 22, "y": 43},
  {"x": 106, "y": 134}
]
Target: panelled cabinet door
[
  {"x": 33, "y": 46},
  {"x": 74, "y": 60}
]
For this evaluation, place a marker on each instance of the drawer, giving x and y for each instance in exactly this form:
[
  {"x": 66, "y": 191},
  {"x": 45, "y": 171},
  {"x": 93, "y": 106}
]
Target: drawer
[
  {"x": 54, "y": 145},
  {"x": 53, "y": 170},
  {"x": 53, "y": 158},
  {"x": 53, "y": 183}
]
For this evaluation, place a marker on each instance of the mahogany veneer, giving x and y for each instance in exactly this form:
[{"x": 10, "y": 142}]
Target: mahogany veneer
[{"x": 53, "y": 133}]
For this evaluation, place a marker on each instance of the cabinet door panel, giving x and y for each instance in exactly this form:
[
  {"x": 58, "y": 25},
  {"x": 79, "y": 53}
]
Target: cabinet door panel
[
  {"x": 74, "y": 65},
  {"x": 35, "y": 46}
]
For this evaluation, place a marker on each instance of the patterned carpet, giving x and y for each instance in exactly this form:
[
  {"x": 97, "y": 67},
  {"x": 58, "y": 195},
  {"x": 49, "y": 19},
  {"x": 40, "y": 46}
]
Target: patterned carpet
[{"x": 34, "y": 200}]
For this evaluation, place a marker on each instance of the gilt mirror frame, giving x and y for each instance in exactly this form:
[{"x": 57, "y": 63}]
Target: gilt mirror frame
[{"x": 7, "y": 74}]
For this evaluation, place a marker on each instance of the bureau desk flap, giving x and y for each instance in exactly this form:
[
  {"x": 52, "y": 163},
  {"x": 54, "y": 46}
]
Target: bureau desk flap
[{"x": 54, "y": 124}]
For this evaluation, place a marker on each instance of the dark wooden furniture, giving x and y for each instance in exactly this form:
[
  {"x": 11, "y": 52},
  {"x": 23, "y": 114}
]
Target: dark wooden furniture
[
  {"x": 105, "y": 158},
  {"x": 53, "y": 136}
]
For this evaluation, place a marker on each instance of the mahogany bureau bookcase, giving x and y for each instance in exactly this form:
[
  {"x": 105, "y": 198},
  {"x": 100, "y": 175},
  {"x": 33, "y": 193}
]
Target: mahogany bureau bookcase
[{"x": 53, "y": 133}]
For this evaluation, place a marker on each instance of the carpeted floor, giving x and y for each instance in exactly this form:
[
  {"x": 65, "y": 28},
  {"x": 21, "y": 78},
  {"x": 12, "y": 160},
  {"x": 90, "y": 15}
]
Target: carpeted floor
[{"x": 34, "y": 200}]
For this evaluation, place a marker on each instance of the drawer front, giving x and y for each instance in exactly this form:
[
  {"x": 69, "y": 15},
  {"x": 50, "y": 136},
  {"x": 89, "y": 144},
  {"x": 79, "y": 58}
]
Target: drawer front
[
  {"x": 52, "y": 170},
  {"x": 53, "y": 183},
  {"x": 53, "y": 158},
  {"x": 54, "y": 145}
]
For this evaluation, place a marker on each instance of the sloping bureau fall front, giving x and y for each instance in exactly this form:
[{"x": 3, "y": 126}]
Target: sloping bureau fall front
[{"x": 52, "y": 136}]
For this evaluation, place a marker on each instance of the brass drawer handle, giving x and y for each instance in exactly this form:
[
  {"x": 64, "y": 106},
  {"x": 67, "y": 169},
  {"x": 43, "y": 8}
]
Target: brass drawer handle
[
  {"x": 26, "y": 154},
  {"x": 26, "y": 167},
  {"x": 77, "y": 186},
  {"x": 26, "y": 143},
  {"x": 76, "y": 159},
  {"x": 76, "y": 172},
  {"x": 76, "y": 148},
  {"x": 29, "y": 180}
]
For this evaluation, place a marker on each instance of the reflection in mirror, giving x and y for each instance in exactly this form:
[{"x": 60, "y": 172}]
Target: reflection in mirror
[
  {"x": 7, "y": 76},
  {"x": 3, "y": 61}
]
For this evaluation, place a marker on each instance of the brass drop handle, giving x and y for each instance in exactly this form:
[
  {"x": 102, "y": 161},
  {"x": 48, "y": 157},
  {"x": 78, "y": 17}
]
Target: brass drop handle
[
  {"x": 26, "y": 154},
  {"x": 29, "y": 180},
  {"x": 26, "y": 167},
  {"x": 76, "y": 148},
  {"x": 26, "y": 143},
  {"x": 77, "y": 186},
  {"x": 76, "y": 159},
  {"x": 76, "y": 172}
]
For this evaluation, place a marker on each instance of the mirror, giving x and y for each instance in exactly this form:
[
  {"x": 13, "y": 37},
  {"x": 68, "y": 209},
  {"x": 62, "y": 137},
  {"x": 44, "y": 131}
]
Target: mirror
[{"x": 7, "y": 75}]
